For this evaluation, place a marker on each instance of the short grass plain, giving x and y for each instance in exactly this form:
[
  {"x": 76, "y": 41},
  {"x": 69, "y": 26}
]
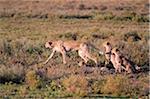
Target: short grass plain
[{"x": 25, "y": 26}]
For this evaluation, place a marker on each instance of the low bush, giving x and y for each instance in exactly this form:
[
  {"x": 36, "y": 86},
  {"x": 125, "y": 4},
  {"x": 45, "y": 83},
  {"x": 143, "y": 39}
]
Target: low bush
[
  {"x": 70, "y": 36},
  {"x": 115, "y": 85},
  {"x": 121, "y": 85},
  {"x": 103, "y": 16},
  {"x": 132, "y": 36},
  {"x": 55, "y": 89},
  {"x": 76, "y": 17},
  {"x": 34, "y": 50},
  {"x": 142, "y": 19},
  {"x": 33, "y": 80},
  {"x": 97, "y": 86},
  {"x": 76, "y": 85},
  {"x": 14, "y": 73}
]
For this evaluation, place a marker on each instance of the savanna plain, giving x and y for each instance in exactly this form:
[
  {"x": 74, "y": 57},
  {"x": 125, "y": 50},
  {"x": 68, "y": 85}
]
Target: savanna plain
[{"x": 25, "y": 26}]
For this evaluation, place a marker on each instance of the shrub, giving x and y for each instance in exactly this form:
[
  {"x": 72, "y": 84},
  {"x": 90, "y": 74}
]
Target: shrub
[
  {"x": 142, "y": 19},
  {"x": 104, "y": 16},
  {"x": 14, "y": 74},
  {"x": 71, "y": 36},
  {"x": 76, "y": 85},
  {"x": 32, "y": 50},
  {"x": 55, "y": 89},
  {"x": 121, "y": 85},
  {"x": 8, "y": 90},
  {"x": 132, "y": 36},
  {"x": 81, "y": 7},
  {"x": 76, "y": 17},
  {"x": 115, "y": 85},
  {"x": 7, "y": 48},
  {"x": 23, "y": 90},
  {"x": 97, "y": 86},
  {"x": 123, "y": 18},
  {"x": 137, "y": 52},
  {"x": 33, "y": 80}
]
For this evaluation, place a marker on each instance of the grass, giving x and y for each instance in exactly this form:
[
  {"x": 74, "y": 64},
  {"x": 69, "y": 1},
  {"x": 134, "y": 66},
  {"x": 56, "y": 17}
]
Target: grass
[
  {"x": 120, "y": 86},
  {"x": 23, "y": 33}
]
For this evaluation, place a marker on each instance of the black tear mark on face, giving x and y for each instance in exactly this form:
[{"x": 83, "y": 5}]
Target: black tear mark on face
[
  {"x": 117, "y": 50},
  {"x": 107, "y": 43},
  {"x": 50, "y": 43},
  {"x": 113, "y": 53}
]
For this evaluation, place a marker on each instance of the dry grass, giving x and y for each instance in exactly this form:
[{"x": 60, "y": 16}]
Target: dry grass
[{"x": 26, "y": 25}]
